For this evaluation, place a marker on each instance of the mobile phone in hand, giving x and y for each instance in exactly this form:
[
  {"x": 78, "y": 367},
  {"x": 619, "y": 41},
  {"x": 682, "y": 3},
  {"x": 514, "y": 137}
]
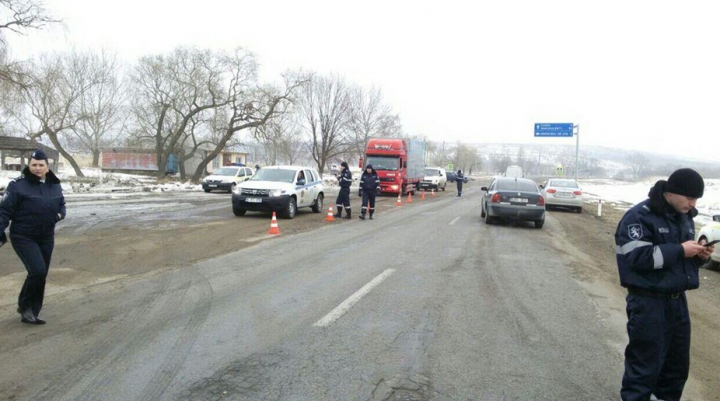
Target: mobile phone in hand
[{"x": 711, "y": 243}]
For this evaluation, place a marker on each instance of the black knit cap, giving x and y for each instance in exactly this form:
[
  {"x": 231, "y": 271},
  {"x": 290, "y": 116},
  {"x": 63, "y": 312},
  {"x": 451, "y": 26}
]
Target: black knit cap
[
  {"x": 38, "y": 154},
  {"x": 344, "y": 164},
  {"x": 687, "y": 182}
]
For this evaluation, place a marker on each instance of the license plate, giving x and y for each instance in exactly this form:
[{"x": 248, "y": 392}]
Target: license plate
[
  {"x": 563, "y": 194},
  {"x": 253, "y": 200},
  {"x": 518, "y": 200},
  {"x": 212, "y": 186}
]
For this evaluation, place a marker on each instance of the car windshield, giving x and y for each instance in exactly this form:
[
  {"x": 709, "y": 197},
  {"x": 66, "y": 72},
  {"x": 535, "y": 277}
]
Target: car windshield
[
  {"x": 522, "y": 186},
  {"x": 563, "y": 184},
  {"x": 226, "y": 171},
  {"x": 432, "y": 171},
  {"x": 383, "y": 163},
  {"x": 277, "y": 175}
]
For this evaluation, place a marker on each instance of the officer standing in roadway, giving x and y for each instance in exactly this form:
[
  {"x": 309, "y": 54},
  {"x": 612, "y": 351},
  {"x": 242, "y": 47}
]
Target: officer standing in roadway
[
  {"x": 343, "y": 199},
  {"x": 658, "y": 260},
  {"x": 369, "y": 183},
  {"x": 34, "y": 203},
  {"x": 459, "y": 181}
]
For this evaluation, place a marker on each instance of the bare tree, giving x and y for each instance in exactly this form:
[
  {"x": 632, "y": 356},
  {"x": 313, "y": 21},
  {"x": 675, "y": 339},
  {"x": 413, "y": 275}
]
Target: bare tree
[
  {"x": 325, "y": 109},
  {"x": 369, "y": 117},
  {"x": 281, "y": 138},
  {"x": 638, "y": 164},
  {"x": 56, "y": 85},
  {"x": 102, "y": 108},
  {"x": 19, "y": 16},
  {"x": 173, "y": 92}
]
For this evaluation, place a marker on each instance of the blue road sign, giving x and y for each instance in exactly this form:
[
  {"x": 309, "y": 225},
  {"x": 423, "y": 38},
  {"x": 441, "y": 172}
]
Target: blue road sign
[{"x": 554, "y": 129}]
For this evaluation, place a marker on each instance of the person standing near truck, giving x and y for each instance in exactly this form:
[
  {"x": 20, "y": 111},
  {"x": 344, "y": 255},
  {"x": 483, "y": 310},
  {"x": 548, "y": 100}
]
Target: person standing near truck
[
  {"x": 343, "y": 199},
  {"x": 370, "y": 184}
]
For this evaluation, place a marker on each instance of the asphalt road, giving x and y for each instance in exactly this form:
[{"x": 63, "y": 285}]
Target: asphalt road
[{"x": 426, "y": 302}]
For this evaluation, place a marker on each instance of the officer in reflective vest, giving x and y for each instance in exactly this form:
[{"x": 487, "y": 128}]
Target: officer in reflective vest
[{"x": 343, "y": 199}]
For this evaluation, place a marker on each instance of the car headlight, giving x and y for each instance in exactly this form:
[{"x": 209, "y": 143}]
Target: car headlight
[
  {"x": 237, "y": 190},
  {"x": 276, "y": 192}
]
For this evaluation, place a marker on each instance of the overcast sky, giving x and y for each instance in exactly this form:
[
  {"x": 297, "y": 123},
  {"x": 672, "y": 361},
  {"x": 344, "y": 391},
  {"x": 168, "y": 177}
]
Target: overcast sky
[{"x": 633, "y": 74}]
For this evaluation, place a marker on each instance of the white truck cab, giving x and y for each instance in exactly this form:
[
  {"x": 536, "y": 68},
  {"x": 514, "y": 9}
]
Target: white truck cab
[{"x": 435, "y": 178}]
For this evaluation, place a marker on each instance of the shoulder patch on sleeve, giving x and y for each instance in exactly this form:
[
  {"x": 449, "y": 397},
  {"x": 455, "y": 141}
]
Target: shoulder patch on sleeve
[{"x": 635, "y": 231}]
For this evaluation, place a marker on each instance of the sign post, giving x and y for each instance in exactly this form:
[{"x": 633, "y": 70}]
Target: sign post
[{"x": 561, "y": 130}]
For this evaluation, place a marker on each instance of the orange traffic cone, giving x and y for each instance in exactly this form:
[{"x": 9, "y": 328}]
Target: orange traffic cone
[
  {"x": 330, "y": 216},
  {"x": 399, "y": 202},
  {"x": 409, "y": 200},
  {"x": 422, "y": 198},
  {"x": 274, "y": 226},
  {"x": 432, "y": 193}
]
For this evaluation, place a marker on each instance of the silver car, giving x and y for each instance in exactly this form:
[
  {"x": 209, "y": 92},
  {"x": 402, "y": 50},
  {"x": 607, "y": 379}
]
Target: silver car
[
  {"x": 513, "y": 198},
  {"x": 563, "y": 192}
]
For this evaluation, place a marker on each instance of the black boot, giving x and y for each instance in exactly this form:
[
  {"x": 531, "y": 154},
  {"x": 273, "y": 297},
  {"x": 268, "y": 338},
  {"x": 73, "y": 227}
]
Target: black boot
[
  {"x": 371, "y": 213},
  {"x": 338, "y": 213},
  {"x": 347, "y": 214},
  {"x": 362, "y": 216},
  {"x": 26, "y": 316}
]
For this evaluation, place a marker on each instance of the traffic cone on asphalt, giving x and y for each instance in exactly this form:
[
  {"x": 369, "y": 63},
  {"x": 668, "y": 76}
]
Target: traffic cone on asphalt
[
  {"x": 409, "y": 200},
  {"x": 399, "y": 201},
  {"x": 330, "y": 216},
  {"x": 274, "y": 226},
  {"x": 432, "y": 193},
  {"x": 422, "y": 198}
]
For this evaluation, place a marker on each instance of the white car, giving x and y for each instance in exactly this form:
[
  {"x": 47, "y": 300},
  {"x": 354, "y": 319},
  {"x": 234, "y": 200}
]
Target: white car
[
  {"x": 281, "y": 189},
  {"x": 563, "y": 192},
  {"x": 226, "y": 178},
  {"x": 711, "y": 232},
  {"x": 435, "y": 178}
]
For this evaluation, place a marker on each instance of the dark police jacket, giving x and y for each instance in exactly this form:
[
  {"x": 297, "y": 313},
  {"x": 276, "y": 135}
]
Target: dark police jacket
[
  {"x": 649, "y": 251},
  {"x": 345, "y": 178},
  {"x": 369, "y": 182},
  {"x": 32, "y": 206}
]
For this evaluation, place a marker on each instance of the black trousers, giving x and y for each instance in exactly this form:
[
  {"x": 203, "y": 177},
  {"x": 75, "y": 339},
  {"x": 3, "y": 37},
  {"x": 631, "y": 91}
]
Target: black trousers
[
  {"x": 368, "y": 200},
  {"x": 35, "y": 255},
  {"x": 343, "y": 198},
  {"x": 459, "y": 185},
  {"x": 657, "y": 358}
]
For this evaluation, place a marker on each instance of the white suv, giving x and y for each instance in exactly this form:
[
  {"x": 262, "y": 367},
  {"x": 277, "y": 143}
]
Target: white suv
[
  {"x": 281, "y": 189},
  {"x": 435, "y": 178},
  {"x": 226, "y": 178}
]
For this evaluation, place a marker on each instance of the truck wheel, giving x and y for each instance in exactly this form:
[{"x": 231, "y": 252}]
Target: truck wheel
[
  {"x": 318, "y": 205},
  {"x": 291, "y": 209},
  {"x": 444, "y": 187}
]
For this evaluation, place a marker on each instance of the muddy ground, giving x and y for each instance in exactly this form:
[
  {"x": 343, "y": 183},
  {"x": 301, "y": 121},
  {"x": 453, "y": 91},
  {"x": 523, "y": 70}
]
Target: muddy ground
[{"x": 87, "y": 257}]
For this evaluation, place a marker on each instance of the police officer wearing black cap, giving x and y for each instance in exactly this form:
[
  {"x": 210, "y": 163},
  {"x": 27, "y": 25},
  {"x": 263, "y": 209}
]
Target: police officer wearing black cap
[
  {"x": 34, "y": 203},
  {"x": 343, "y": 199},
  {"x": 658, "y": 260}
]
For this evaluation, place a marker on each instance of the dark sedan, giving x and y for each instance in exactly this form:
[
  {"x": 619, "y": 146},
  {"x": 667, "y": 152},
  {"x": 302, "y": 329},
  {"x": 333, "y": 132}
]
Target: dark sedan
[{"x": 513, "y": 198}]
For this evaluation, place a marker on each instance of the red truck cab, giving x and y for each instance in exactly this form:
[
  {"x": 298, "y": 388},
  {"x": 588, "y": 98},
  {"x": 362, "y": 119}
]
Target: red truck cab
[{"x": 399, "y": 163}]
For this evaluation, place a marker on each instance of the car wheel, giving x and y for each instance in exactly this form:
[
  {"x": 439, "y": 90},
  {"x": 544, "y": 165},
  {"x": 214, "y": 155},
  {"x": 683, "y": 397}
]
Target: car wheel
[
  {"x": 579, "y": 210},
  {"x": 488, "y": 219},
  {"x": 318, "y": 205},
  {"x": 232, "y": 187},
  {"x": 482, "y": 211},
  {"x": 206, "y": 189},
  {"x": 444, "y": 187},
  {"x": 539, "y": 223},
  {"x": 711, "y": 264},
  {"x": 239, "y": 212},
  {"x": 291, "y": 208},
  {"x": 360, "y": 193}
]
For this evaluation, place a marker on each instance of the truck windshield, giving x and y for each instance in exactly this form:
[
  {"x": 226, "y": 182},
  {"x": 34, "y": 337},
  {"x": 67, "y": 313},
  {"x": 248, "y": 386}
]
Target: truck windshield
[
  {"x": 383, "y": 163},
  {"x": 277, "y": 175}
]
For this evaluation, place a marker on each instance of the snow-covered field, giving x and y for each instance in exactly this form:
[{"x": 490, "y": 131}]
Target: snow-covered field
[{"x": 620, "y": 194}]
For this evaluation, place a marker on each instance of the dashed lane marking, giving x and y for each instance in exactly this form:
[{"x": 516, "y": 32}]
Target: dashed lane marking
[
  {"x": 341, "y": 309},
  {"x": 455, "y": 220}
]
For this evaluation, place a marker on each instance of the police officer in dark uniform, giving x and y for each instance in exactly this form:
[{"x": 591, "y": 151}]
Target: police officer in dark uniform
[
  {"x": 343, "y": 199},
  {"x": 459, "y": 182},
  {"x": 369, "y": 183},
  {"x": 34, "y": 203},
  {"x": 658, "y": 260}
]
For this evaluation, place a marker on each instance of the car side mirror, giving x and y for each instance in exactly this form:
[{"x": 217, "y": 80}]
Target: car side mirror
[
  {"x": 301, "y": 182},
  {"x": 716, "y": 217},
  {"x": 542, "y": 186},
  {"x": 484, "y": 189}
]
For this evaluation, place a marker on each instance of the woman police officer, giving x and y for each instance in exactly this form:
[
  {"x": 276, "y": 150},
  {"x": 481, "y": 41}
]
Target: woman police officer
[{"x": 34, "y": 203}]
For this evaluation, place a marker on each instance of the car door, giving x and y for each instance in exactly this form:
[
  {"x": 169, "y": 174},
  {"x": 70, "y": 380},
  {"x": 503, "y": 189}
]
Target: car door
[{"x": 310, "y": 187}]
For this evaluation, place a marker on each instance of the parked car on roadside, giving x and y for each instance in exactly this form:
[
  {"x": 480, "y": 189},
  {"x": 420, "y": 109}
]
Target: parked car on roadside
[
  {"x": 281, "y": 189},
  {"x": 451, "y": 176},
  {"x": 513, "y": 198},
  {"x": 226, "y": 178},
  {"x": 711, "y": 232},
  {"x": 563, "y": 192},
  {"x": 435, "y": 178}
]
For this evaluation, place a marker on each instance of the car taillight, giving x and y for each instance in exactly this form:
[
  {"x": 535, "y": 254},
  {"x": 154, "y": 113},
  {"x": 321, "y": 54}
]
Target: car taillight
[
  {"x": 495, "y": 198},
  {"x": 551, "y": 191},
  {"x": 578, "y": 193},
  {"x": 541, "y": 201}
]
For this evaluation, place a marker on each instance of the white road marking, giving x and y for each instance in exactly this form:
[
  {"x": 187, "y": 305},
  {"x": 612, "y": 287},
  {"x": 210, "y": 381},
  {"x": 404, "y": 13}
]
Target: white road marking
[
  {"x": 455, "y": 220},
  {"x": 341, "y": 309},
  {"x": 260, "y": 238}
]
